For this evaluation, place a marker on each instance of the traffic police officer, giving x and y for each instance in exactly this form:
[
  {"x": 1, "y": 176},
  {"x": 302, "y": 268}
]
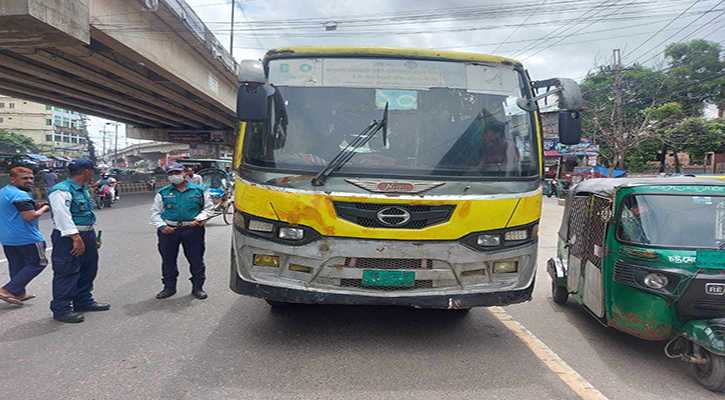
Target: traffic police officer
[
  {"x": 75, "y": 251},
  {"x": 179, "y": 212}
]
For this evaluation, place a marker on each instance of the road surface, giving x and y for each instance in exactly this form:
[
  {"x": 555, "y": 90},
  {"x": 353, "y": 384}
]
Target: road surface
[{"x": 237, "y": 347}]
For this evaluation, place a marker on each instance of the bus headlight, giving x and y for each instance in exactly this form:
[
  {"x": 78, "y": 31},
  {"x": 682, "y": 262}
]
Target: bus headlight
[
  {"x": 502, "y": 238},
  {"x": 488, "y": 240},
  {"x": 276, "y": 231},
  {"x": 287, "y": 233},
  {"x": 519, "y": 234}
]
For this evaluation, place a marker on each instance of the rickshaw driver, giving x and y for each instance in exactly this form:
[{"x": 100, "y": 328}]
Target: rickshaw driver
[{"x": 632, "y": 216}]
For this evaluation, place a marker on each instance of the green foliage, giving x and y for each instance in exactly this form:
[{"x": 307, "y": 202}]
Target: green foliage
[
  {"x": 698, "y": 74},
  {"x": 11, "y": 142},
  {"x": 662, "y": 109}
]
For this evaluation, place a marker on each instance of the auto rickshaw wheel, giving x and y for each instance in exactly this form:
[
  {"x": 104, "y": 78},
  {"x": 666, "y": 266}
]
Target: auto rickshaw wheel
[
  {"x": 559, "y": 293},
  {"x": 711, "y": 374}
]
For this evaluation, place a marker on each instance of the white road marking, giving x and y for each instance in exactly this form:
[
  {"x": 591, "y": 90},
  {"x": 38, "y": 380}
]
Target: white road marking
[
  {"x": 46, "y": 250},
  {"x": 567, "y": 374}
]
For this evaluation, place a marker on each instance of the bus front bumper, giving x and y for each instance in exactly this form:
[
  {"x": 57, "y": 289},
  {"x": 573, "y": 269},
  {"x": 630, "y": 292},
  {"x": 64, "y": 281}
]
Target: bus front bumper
[{"x": 330, "y": 271}]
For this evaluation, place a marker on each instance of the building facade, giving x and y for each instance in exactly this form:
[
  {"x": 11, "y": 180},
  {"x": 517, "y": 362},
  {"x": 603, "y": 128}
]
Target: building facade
[
  {"x": 54, "y": 130},
  {"x": 26, "y": 118}
]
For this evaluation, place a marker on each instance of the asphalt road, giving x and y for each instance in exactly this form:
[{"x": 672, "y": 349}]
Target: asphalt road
[{"x": 236, "y": 347}]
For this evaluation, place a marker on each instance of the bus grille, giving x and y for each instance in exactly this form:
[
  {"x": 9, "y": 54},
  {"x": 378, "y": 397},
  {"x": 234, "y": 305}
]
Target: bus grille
[
  {"x": 388, "y": 263},
  {"x": 421, "y": 216}
]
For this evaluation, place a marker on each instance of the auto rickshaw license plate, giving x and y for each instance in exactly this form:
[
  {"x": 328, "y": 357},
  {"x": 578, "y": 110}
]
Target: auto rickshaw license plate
[{"x": 377, "y": 278}]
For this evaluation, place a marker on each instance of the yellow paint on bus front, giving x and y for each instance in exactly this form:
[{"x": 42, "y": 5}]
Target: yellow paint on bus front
[{"x": 316, "y": 210}]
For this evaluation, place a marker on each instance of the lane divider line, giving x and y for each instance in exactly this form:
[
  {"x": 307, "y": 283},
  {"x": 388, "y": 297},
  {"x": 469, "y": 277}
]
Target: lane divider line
[
  {"x": 46, "y": 250},
  {"x": 567, "y": 374}
]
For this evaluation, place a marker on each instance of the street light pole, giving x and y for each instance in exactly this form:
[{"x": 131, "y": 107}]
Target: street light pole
[
  {"x": 231, "y": 35},
  {"x": 115, "y": 150}
]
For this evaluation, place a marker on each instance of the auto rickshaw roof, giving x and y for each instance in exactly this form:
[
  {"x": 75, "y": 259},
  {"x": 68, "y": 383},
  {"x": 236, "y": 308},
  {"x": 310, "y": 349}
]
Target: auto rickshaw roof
[{"x": 608, "y": 186}]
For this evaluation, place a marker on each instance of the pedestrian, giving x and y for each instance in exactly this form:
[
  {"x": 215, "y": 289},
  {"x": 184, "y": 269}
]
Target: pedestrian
[
  {"x": 179, "y": 212},
  {"x": 193, "y": 177},
  {"x": 51, "y": 178},
  {"x": 75, "y": 247},
  {"x": 22, "y": 241}
]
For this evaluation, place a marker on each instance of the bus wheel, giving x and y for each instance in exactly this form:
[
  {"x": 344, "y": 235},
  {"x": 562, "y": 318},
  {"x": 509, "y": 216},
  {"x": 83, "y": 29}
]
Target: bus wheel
[
  {"x": 559, "y": 293},
  {"x": 711, "y": 374}
]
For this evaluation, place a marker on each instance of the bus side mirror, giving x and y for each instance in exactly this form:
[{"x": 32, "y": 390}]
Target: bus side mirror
[
  {"x": 570, "y": 102},
  {"x": 570, "y": 127},
  {"x": 252, "y": 104},
  {"x": 252, "y": 97}
]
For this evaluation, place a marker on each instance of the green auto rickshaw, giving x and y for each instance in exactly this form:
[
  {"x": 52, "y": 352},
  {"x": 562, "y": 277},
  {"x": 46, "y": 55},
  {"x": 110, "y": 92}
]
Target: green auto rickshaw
[{"x": 647, "y": 257}]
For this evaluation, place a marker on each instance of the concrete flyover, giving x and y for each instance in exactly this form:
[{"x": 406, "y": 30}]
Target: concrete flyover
[
  {"x": 151, "y": 152},
  {"x": 151, "y": 64}
]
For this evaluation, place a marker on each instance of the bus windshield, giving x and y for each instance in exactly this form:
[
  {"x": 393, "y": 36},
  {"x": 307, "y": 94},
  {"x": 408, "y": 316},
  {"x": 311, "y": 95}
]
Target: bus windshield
[{"x": 445, "y": 118}]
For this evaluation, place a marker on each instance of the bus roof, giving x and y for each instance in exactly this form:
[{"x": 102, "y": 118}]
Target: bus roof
[{"x": 428, "y": 54}]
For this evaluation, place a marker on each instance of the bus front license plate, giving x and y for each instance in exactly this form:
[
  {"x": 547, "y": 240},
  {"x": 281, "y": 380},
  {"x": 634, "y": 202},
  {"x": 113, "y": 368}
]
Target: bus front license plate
[{"x": 377, "y": 278}]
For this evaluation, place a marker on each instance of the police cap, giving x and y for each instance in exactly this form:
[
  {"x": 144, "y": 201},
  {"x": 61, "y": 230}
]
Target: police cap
[
  {"x": 174, "y": 167},
  {"x": 79, "y": 165}
]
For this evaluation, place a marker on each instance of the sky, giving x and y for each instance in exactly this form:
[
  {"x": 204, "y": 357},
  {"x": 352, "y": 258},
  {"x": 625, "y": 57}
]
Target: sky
[{"x": 553, "y": 38}]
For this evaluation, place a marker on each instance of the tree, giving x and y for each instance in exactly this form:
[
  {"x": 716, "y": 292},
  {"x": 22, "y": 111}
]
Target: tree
[
  {"x": 91, "y": 150},
  {"x": 698, "y": 73},
  {"x": 11, "y": 142},
  {"x": 641, "y": 90}
]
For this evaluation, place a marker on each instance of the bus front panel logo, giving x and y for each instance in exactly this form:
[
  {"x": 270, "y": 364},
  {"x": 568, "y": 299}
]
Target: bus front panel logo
[{"x": 393, "y": 216}]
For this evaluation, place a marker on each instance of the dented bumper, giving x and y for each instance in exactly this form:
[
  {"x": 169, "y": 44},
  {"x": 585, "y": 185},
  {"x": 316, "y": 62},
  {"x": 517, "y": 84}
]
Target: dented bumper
[{"x": 330, "y": 271}]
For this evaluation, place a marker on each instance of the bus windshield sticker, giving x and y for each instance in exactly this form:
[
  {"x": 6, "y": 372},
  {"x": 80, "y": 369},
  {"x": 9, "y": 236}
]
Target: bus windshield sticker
[
  {"x": 396, "y": 99},
  {"x": 296, "y": 72},
  {"x": 491, "y": 80}
]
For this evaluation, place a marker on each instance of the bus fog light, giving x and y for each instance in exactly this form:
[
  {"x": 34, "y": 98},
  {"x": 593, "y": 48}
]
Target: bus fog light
[
  {"x": 260, "y": 226},
  {"x": 291, "y": 233},
  {"x": 656, "y": 281},
  {"x": 519, "y": 234},
  {"x": 265, "y": 260},
  {"x": 488, "y": 240},
  {"x": 505, "y": 267},
  {"x": 299, "y": 268}
]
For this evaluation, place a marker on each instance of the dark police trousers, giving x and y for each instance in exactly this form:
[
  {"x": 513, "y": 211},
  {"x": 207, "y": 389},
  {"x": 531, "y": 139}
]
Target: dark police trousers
[
  {"x": 25, "y": 263},
  {"x": 73, "y": 276},
  {"x": 192, "y": 240}
]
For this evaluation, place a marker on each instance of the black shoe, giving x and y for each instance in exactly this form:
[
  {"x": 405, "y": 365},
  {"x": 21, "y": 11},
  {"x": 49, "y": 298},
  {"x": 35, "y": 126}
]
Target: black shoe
[
  {"x": 93, "y": 307},
  {"x": 199, "y": 294},
  {"x": 69, "y": 318},
  {"x": 166, "y": 293}
]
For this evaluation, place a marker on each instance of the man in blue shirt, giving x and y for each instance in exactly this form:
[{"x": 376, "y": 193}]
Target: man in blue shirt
[
  {"x": 22, "y": 241},
  {"x": 75, "y": 250}
]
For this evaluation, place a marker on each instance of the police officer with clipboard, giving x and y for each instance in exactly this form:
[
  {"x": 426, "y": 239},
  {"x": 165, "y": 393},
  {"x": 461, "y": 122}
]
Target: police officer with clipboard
[{"x": 179, "y": 212}]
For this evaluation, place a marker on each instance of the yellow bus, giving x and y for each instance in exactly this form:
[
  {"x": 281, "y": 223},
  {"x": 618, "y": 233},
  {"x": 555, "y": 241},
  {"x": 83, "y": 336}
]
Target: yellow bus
[{"x": 391, "y": 177}]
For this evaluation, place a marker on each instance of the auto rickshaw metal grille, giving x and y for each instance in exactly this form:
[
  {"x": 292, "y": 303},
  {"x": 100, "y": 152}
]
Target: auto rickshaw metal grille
[{"x": 588, "y": 224}]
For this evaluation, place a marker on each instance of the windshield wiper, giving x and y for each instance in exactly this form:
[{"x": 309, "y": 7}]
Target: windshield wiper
[{"x": 347, "y": 153}]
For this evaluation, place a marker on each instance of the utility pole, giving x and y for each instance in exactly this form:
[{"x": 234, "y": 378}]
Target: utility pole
[
  {"x": 115, "y": 151},
  {"x": 231, "y": 34},
  {"x": 617, "y": 110}
]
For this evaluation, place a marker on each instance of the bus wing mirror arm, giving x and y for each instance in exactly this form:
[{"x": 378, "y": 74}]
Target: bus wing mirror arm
[{"x": 570, "y": 104}]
